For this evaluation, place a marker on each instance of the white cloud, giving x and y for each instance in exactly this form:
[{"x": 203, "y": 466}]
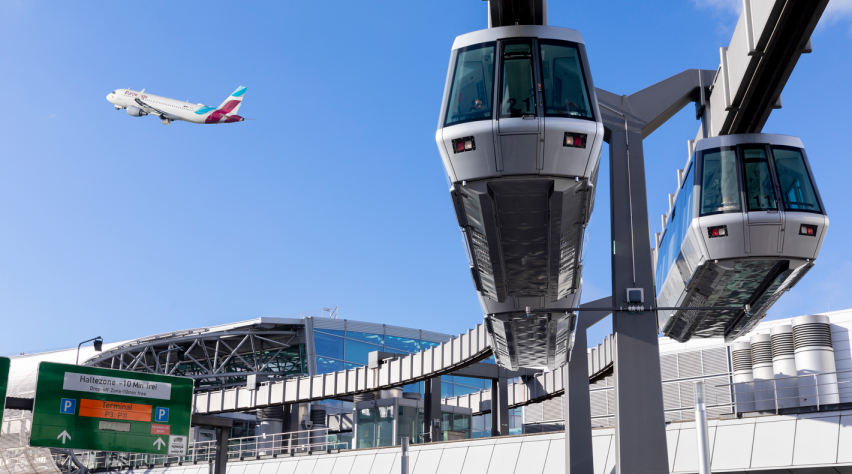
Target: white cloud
[
  {"x": 733, "y": 7},
  {"x": 835, "y": 12},
  {"x": 49, "y": 117}
]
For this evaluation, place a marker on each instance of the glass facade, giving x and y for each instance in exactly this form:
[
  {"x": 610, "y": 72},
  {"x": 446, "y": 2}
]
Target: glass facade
[{"x": 339, "y": 350}]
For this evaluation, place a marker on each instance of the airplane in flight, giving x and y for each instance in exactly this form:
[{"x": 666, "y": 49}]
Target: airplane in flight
[{"x": 138, "y": 104}]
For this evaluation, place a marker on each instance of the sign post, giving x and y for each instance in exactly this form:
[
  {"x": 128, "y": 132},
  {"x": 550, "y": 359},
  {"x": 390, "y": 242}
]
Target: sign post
[
  {"x": 5, "y": 362},
  {"x": 111, "y": 410}
]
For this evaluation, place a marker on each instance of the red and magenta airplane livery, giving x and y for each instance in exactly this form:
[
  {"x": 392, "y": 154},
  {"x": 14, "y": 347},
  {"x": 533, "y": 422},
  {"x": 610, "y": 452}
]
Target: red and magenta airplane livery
[{"x": 139, "y": 103}]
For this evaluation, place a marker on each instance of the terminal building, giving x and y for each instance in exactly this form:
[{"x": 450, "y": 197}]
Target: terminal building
[{"x": 748, "y": 382}]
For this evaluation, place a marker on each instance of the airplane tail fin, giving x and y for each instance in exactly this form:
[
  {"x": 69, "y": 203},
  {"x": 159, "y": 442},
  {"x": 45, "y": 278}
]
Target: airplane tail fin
[{"x": 233, "y": 102}]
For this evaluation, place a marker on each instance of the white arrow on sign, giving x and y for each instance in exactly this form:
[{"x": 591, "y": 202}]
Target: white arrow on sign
[
  {"x": 64, "y": 436},
  {"x": 159, "y": 440}
]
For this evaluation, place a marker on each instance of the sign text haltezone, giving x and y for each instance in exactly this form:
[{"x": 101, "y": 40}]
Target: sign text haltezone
[{"x": 116, "y": 386}]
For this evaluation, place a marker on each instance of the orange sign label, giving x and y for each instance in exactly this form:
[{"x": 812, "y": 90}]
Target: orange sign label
[
  {"x": 115, "y": 410},
  {"x": 160, "y": 429}
]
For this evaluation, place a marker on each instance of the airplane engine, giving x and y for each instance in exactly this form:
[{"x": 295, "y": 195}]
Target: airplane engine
[{"x": 135, "y": 111}]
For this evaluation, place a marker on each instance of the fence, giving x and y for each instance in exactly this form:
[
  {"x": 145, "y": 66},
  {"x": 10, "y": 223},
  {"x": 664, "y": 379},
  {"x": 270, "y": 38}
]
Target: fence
[
  {"x": 817, "y": 391},
  {"x": 205, "y": 451}
]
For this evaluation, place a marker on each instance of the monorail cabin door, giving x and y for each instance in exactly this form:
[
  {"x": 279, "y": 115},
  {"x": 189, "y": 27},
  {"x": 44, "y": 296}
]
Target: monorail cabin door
[
  {"x": 765, "y": 217},
  {"x": 519, "y": 118}
]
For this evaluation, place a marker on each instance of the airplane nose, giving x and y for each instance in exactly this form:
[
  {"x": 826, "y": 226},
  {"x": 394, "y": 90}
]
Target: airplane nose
[{"x": 109, "y": 97}]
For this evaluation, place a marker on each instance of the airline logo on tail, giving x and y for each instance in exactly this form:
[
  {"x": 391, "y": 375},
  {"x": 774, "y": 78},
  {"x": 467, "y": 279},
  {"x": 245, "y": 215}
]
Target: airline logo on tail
[{"x": 227, "y": 112}]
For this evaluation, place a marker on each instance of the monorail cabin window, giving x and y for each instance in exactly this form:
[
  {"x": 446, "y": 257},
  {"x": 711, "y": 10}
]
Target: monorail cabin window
[
  {"x": 797, "y": 190},
  {"x": 720, "y": 191},
  {"x": 518, "y": 81},
  {"x": 760, "y": 193},
  {"x": 473, "y": 80},
  {"x": 565, "y": 93}
]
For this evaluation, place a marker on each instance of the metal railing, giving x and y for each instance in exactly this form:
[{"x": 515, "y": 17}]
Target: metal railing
[
  {"x": 205, "y": 451},
  {"x": 795, "y": 392},
  {"x": 283, "y": 443},
  {"x": 198, "y": 452}
]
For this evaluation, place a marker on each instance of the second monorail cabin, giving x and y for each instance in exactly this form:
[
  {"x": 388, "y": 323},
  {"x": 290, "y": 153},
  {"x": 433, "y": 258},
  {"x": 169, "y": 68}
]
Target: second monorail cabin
[{"x": 745, "y": 226}]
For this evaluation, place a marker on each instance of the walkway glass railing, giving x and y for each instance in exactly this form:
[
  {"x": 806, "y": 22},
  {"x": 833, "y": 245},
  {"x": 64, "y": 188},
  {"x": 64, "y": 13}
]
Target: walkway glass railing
[{"x": 817, "y": 391}]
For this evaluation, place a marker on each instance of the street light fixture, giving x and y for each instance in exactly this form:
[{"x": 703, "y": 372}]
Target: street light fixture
[{"x": 99, "y": 344}]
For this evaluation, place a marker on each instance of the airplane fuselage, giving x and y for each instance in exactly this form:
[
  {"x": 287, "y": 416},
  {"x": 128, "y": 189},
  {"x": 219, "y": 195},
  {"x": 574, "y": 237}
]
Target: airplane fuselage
[{"x": 139, "y": 103}]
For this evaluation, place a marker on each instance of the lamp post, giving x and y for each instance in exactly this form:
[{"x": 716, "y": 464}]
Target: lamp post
[{"x": 99, "y": 343}]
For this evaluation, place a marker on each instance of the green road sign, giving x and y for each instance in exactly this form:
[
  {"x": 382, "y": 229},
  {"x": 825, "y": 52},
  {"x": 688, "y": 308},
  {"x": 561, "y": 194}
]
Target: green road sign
[
  {"x": 4, "y": 382},
  {"x": 111, "y": 410}
]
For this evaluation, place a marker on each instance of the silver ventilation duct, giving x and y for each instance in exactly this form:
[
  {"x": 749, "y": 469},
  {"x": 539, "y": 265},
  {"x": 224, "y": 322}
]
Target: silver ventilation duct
[
  {"x": 815, "y": 355},
  {"x": 762, "y": 371},
  {"x": 743, "y": 376},
  {"x": 784, "y": 366}
]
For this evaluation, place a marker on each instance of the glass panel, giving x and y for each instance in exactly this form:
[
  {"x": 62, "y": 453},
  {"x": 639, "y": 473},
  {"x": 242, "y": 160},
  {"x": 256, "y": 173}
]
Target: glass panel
[
  {"x": 565, "y": 93},
  {"x": 384, "y": 427},
  {"x": 672, "y": 240},
  {"x": 446, "y": 389},
  {"x": 758, "y": 182},
  {"x": 366, "y": 428},
  {"x": 427, "y": 344},
  {"x": 470, "y": 382},
  {"x": 447, "y": 378},
  {"x": 516, "y": 422},
  {"x": 329, "y": 346},
  {"x": 489, "y": 360},
  {"x": 518, "y": 83},
  {"x": 349, "y": 365},
  {"x": 410, "y": 425},
  {"x": 720, "y": 191},
  {"x": 402, "y": 343},
  {"x": 464, "y": 390},
  {"x": 330, "y": 331},
  {"x": 365, "y": 336},
  {"x": 325, "y": 366},
  {"x": 461, "y": 422},
  {"x": 359, "y": 351},
  {"x": 797, "y": 190},
  {"x": 473, "y": 80}
]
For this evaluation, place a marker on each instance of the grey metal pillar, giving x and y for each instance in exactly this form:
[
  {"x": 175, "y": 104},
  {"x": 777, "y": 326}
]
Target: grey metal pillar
[
  {"x": 500, "y": 407},
  {"x": 578, "y": 413},
  {"x": 640, "y": 437},
  {"x": 403, "y": 461},
  {"x": 432, "y": 409},
  {"x": 220, "y": 465}
]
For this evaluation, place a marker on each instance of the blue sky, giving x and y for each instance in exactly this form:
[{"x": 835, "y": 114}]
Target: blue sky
[{"x": 122, "y": 227}]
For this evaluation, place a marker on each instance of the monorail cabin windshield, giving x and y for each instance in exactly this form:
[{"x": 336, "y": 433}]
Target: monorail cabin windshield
[{"x": 746, "y": 225}]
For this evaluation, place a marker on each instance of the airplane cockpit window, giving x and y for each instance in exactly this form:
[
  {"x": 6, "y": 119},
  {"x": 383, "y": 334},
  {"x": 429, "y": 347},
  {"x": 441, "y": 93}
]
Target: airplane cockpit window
[
  {"x": 113, "y": 92},
  {"x": 473, "y": 81},
  {"x": 565, "y": 93}
]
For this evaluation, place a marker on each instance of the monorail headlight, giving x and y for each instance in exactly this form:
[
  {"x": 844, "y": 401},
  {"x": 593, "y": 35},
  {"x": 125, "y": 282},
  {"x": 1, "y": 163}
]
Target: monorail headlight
[
  {"x": 717, "y": 231},
  {"x": 461, "y": 145},
  {"x": 575, "y": 140},
  {"x": 809, "y": 230}
]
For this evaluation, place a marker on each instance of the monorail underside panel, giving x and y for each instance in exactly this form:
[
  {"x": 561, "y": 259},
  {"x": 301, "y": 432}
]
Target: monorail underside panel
[{"x": 746, "y": 225}]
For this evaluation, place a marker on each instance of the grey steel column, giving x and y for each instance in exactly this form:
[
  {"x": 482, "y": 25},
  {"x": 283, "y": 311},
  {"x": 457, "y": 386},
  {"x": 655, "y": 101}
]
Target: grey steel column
[
  {"x": 640, "y": 426},
  {"x": 500, "y": 406},
  {"x": 578, "y": 413},
  {"x": 432, "y": 409},
  {"x": 221, "y": 459},
  {"x": 640, "y": 436}
]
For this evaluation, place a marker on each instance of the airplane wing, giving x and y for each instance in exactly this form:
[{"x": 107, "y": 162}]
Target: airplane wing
[{"x": 148, "y": 108}]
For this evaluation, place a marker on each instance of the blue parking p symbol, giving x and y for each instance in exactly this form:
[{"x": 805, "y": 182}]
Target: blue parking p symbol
[
  {"x": 161, "y": 415},
  {"x": 68, "y": 406}
]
